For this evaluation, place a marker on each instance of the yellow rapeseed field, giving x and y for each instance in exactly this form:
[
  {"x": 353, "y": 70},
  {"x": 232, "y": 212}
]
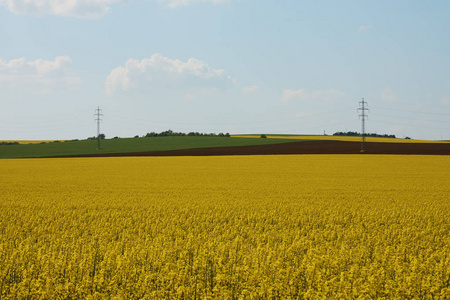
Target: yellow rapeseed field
[
  {"x": 23, "y": 142},
  {"x": 243, "y": 227}
]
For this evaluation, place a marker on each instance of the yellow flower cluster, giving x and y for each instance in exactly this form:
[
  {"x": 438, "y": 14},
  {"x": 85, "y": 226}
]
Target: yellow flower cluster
[{"x": 242, "y": 227}]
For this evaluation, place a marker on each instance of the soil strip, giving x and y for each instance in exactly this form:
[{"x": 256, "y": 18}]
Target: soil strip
[{"x": 306, "y": 147}]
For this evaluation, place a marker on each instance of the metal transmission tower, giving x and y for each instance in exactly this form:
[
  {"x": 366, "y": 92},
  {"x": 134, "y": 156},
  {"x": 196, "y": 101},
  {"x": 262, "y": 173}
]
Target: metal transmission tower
[
  {"x": 362, "y": 110},
  {"x": 98, "y": 117}
]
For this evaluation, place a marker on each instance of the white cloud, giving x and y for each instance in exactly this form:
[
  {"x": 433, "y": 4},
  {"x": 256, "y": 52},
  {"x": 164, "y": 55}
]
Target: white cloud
[
  {"x": 445, "y": 101},
  {"x": 159, "y": 72},
  {"x": 304, "y": 114},
  {"x": 365, "y": 28},
  {"x": 73, "y": 8},
  {"x": 294, "y": 94},
  {"x": 250, "y": 89},
  {"x": 180, "y": 3},
  {"x": 21, "y": 72},
  {"x": 316, "y": 96},
  {"x": 81, "y": 8},
  {"x": 387, "y": 95}
]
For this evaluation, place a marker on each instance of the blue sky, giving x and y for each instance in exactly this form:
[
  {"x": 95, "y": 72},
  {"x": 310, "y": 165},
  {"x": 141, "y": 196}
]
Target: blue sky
[{"x": 238, "y": 66}]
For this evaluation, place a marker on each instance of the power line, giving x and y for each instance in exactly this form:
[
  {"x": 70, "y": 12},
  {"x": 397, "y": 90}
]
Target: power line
[
  {"x": 144, "y": 121},
  {"x": 418, "y": 119},
  {"x": 413, "y": 112},
  {"x": 409, "y": 125}
]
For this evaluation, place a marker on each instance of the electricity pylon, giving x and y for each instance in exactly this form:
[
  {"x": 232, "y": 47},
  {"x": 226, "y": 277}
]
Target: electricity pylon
[
  {"x": 98, "y": 117},
  {"x": 362, "y": 110}
]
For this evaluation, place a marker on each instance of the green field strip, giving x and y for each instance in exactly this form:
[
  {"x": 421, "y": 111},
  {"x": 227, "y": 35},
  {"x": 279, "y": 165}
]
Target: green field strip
[{"x": 129, "y": 145}]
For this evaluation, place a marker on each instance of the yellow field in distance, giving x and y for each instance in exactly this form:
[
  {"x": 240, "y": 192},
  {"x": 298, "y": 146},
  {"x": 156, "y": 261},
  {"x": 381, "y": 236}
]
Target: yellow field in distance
[
  {"x": 342, "y": 138},
  {"x": 30, "y": 141},
  {"x": 227, "y": 227}
]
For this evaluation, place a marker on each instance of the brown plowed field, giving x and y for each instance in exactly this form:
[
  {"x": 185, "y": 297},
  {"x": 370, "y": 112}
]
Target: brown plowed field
[{"x": 308, "y": 147}]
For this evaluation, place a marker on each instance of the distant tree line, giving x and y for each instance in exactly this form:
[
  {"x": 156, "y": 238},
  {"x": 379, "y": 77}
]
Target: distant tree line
[
  {"x": 173, "y": 133},
  {"x": 101, "y": 135},
  {"x": 353, "y": 133},
  {"x": 167, "y": 133},
  {"x": 8, "y": 143}
]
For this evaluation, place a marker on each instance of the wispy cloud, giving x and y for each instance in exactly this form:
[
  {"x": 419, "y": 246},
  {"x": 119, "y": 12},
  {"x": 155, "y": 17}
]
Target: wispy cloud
[
  {"x": 82, "y": 8},
  {"x": 388, "y": 95},
  {"x": 181, "y": 3},
  {"x": 250, "y": 89},
  {"x": 159, "y": 72},
  {"x": 72, "y": 8},
  {"x": 304, "y": 114},
  {"x": 318, "y": 95},
  {"x": 445, "y": 101},
  {"x": 365, "y": 28}
]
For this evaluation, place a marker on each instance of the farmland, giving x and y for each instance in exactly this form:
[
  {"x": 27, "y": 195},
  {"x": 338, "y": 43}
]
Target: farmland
[
  {"x": 343, "y": 138},
  {"x": 236, "y": 145},
  {"x": 241, "y": 227},
  {"x": 125, "y": 145}
]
